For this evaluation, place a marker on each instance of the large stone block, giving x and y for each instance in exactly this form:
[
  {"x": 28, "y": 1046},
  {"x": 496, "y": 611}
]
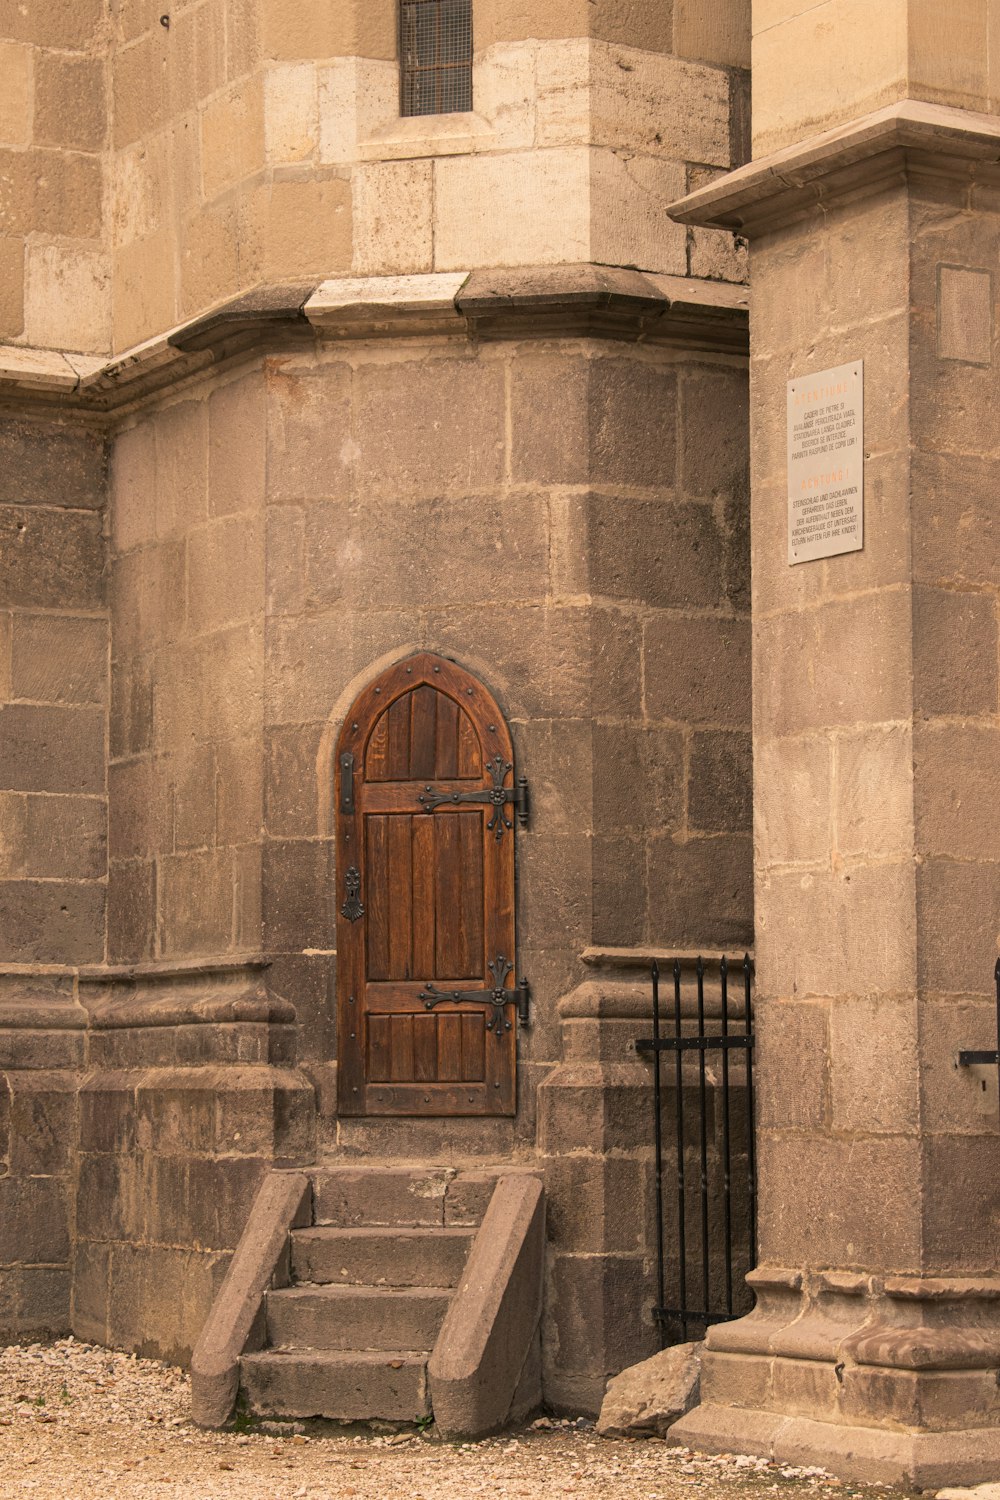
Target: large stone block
[
  {"x": 237, "y": 445},
  {"x": 131, "y": 910},
  {"x": 874, "y": 1078},
  {"x": 956, "y": 953},
  {"x": 291, "y": 112},
  {"x": 59, "y": 659},
  {"x": 714, "y": 431},
  {"x": 874, "y": 793},
  {"x": 666, "y": 553},
  {"x": 210, "y": 689},
  {"x": 818, "y": 931},
  {"x": 821, "y": 1206},
  {"x": 620, "y": 902},
  {"x": 139, "y": 810},
  {"x": 225, "y": 573},
  {"x": 955, "y": 790},
  {"x": 292, "y": 791},
  {"x": 954, "y": 652},
  {"x": 306, "y": 226},
  {"x": 52, "y": 749},
  {"x": 54, "y": 193},
  {"x": 16, "y": 67},
  {"x": 67, "y": 297},
  {"x": 638, "y": 778},
  {"x": 876, "y": 75},
  {"x": 393, "y": 206},
  {"x": 70, "y": 102},
  {"x": 955, "y": 540},
  {"x": 148, "y": 596},
  {"x": 64, "y": 838},
  {"x": 792, "y": 1065},
  {"x": 34, "y": 1222},
  {"x": 616, "y": 676},
  {"x": 239, "y": 790},
  {"x": 298, "y": 896},
  {"x": 429, "y": 426},
  {"x": 596, "y": 1323},
  {"x": 232, "y": 136},
  {"x": 196, "y": 898},
  {"x": 720, "y": 786},
  {"x": 596, "y": 1204},
  {"x": 701, "y": 891},
  {"x": 697, "y": 670},
  {"x": 524, "y": 208},
  {"x": 181, "y": 435},
  {"x": 629, "y": 201},
  {"x": 309, "y": 455},
  {"x": 833, "y": 672},
  {"x": 11, "y": 287},
  {"x": 43, "y": 1116},
  {"x": 51, "y": 560}
]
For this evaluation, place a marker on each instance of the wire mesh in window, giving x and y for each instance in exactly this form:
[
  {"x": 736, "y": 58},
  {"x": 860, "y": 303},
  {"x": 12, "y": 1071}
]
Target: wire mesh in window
[{"x": 436, "y": 54}]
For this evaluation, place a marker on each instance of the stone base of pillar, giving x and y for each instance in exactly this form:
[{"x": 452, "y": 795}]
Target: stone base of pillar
[
  {"x": 917, "y": 1460},
  {"x": 892, "y": 1380}
]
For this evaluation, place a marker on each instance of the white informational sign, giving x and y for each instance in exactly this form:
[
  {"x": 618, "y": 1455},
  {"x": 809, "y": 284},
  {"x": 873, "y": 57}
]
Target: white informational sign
[{"x": 826, "y": 446}]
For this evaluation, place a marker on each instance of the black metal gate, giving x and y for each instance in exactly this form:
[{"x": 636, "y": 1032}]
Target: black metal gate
[{"x": 709, "y": 1148}]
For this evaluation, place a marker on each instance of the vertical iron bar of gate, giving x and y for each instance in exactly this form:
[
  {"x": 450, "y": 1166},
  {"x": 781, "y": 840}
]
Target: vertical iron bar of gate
[
  {"x": 658, "y": 1131},
  {"x": 727, "y": 1188},
  {"x": 751, "y": 1144},
  {"x": 681, "y": 1217},
  {"x": 706, "y": 1278}
]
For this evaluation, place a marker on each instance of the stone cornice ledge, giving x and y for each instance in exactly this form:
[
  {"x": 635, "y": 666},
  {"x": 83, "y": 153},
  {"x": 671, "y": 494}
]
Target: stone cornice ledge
[
  {"x": 529, "y": 302},
  {"x": 893, "y": 144}
]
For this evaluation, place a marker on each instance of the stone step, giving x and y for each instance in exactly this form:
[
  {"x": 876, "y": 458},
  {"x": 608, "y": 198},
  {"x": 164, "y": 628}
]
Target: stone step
[
  {"x": 380, "y": 1257},
  {"x": 342, "y": 1386},
  {"x": 353, "y": 1196},
  {"x": 351, "y": 1317}
]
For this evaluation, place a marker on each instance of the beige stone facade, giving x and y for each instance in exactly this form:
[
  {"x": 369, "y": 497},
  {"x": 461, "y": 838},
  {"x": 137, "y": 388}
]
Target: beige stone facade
[{"x": 294, "y": 386}]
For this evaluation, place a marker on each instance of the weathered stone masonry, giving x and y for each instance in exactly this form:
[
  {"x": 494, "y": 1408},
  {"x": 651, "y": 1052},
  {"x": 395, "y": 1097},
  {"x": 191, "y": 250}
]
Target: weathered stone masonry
[{"x": 271, "y": 420}]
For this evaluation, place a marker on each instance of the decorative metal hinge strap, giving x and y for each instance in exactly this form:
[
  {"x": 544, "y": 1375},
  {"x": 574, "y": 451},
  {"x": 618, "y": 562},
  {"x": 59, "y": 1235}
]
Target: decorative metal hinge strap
[
  {"x": 498, "y": 997},
  {"x": 497, "y": 796},
  {"x": 352, "y": 908},
  {"x": 347, "y": 783}
]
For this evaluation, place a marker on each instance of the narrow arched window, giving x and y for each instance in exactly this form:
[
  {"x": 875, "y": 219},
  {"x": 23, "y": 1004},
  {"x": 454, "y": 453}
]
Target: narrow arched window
[{"x": 435, "y": 50}]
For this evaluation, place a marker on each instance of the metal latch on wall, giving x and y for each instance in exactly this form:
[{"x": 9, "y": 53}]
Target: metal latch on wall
[
  {"x": 969, "y": 1058},
  {"x": 497, "y": 796}
]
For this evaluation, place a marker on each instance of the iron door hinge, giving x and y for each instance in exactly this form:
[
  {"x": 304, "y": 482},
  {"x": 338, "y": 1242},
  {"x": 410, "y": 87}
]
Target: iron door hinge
[
  {"x": 498, "y": 997},
  {"x": 347, "y": 784},
  {"x": 497, "y": 796}
]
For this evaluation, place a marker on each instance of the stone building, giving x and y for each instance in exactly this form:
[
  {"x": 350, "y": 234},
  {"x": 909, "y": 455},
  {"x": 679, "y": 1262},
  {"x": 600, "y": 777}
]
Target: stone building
[{"x": 364, "y": 352}]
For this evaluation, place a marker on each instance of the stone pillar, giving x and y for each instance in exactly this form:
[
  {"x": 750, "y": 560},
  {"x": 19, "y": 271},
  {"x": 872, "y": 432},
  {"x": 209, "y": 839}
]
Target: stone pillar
[{"x": 875, "y": 1345}]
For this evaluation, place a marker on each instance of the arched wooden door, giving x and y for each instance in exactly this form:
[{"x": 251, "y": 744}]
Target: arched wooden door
[{"x": 426, "y": 807}]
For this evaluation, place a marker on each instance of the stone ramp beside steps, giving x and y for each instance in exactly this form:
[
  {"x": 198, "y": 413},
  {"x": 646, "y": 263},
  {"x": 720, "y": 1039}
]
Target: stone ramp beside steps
[{"x": 373, "y": 1279}]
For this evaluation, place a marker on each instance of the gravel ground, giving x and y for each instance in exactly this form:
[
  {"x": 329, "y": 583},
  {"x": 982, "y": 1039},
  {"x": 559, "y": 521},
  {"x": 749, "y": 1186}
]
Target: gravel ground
[{"x": 82, "y": 1423}]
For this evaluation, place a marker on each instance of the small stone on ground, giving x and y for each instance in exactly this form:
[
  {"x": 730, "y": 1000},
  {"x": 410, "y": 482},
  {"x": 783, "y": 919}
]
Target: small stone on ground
[{"x": 82, "y": 1423}]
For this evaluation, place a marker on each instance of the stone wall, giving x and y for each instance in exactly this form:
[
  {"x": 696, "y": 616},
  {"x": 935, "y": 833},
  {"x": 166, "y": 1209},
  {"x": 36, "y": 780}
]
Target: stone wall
[
  {"x": 564, "y": 520},
  {"x": 187, "y": 584},
  {"x": 189, "y": 1098},
  {"x": 53, "y": 692},
  {"x": 42, "y": 1049},
  {"x": 230, "y": 143},
  {"x": 55, "y": 283},
  {"x": 907, "y": 49}
]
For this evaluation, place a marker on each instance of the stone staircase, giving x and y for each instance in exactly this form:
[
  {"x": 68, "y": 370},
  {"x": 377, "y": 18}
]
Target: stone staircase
[{"x": 369, "y": 1284}]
